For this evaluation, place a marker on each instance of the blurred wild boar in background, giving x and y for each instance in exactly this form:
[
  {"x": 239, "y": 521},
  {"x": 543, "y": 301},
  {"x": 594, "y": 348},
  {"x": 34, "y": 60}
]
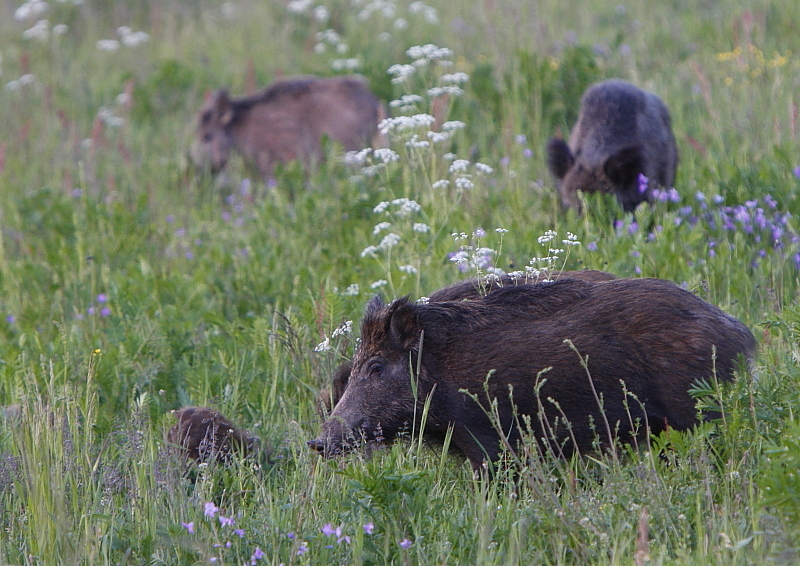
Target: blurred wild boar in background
[
  {"x": 286, "y": 121},
  {"x": 622, "y": 132}
]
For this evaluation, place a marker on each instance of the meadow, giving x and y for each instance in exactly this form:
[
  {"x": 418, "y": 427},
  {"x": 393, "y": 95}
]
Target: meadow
[{"x": 131, "y": 286}]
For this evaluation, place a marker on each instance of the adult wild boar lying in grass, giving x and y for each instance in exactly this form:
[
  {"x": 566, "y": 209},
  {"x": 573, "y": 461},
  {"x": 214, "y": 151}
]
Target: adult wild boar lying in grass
[
  {"x": 286, "y": 121},
  {"x": 622, "y": 132},
  {"x": 650, "y": 334},
  {"x": 466, "y": 290}
]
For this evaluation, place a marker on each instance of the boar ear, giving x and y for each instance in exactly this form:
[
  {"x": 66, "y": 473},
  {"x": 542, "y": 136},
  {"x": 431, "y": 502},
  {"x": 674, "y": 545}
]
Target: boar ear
[
  {"x": 624, "y": 166},
  {"x": 222, "y": 105},
  {"x": 559, "y": 157},
  {"x": 403, "y": 324}
]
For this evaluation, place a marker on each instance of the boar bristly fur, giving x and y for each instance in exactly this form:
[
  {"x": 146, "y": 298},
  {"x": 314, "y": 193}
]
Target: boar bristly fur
[
  {"x": 466, "y": 290},
  {"x": 286, "y": 121},
  {"x": 622, "y": 131},
  {"x": 205, "y": 435},
  {"x": 653, "y": 336}
]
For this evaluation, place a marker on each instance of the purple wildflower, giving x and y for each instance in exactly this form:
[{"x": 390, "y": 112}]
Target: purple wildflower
[
  {"x": 105, "y": 311},
  {"x": 643, "y": 181},
  {"x": 770, "y": 202},
  {"x": 405, "y": 543},
  {"x": 633, "y": 228},
  {"x": 637, "y": 270},
  {"x": 11, "y": 319},
  {"x": 170, "y": 218},
  {"x": 521, "y": 139},
  {"x": 796, "y": 172},
  {"x": 226, "y": 521},
  {"x": 636, "y": 253},
  {"x": 102, "y": 298},
  {"x": 290, "y": 536},
  {"x": 751, "y": 203},
  {"x": 527, "y": 153},
  {"x": 258, "y": 554},
  {"x": 226, "y": 216},
  {"x": 674, "y": 195},
  {"x": 189, "y": 255},
  {"x": 239, "y": 532},
  {"x": 189, "y": 527},
  {"x": 480, "y": 232},
  {"x": 592, "y": 247},
  {"x": 505, "y": 161},
  {"x": 328, "y": 530},
  {"x": 210, "y": 510},
  {"x": 717, "y": 199},
  {"x": 797, "y": 260},
  {"x": 368, "y": 527},
  {"x": 700, "y": 196},
  {"x": 90, "y": 310},
  {"x": 618, "y": 224},
  {"x": 76, "y": 193},
  {"x": 180, "y": 232},
  {"x": 302, "y": 549}
]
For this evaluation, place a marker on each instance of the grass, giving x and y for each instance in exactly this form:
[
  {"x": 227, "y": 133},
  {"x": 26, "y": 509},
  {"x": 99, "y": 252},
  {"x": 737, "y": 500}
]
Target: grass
[{"x": 130, "y": 287}]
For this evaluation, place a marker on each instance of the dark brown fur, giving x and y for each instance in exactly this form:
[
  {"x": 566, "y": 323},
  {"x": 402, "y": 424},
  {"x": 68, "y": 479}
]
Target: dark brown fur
[
  {"x": 286, "y": 121},
  {"x": 622, "y": 131},
  {"x": 205, "y": 435},
  {"x": 649, "y": 333},
  {"x": 466, "y": 290}
]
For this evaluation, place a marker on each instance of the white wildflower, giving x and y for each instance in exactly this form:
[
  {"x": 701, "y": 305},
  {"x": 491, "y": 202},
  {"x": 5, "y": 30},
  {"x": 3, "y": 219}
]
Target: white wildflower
[
  {"x": 380, "y": 227},
  {"x": 483, "y": 168},
  {"x": 369, "y": 251},
  {"x": 26, "y": 79},
  {"x": 357, "y": 158},
  {"x": 407, "y": 206},
  {"x": 423, "y": 300},
  {"x": 342, "y": 48},
  {"x": 401, "y": 72},
  {"x": 30, "y": 10},
  {"x": 60, "y": 29},
  {"x": 548, "y": 237},
  {"x": 123, "y": 99},
  {"x": 389, "y": 241},
  {"x": 455, "y": 78},
  {"x": 501, "y": 231},
  {"x": 442, "y": 90},
  {"x": 421, "y": 228},
  {"x": 439, "y": 137},
  {"x": 108, "y": 45},
  {"x": 352, "y": 290},
  {"x": 453, "y": 125},
  {"x": 459, "y": 165},
  {"x": 460, "y": 257},
  {"x": 400, "y": 24},
  {"x": 410, "y": 269},
  {"x": 346, "y": 64},
  {"x": 320, "y": 48},
  {"x": 429, "y": 51},
  {"x": 464, "y": 183},
  {"x": 379, "y": 283},
  {"x": 385, "y": 154},
  {"x": 40, "y": 31},
  {"x": 406, "y": 100},
  {"x": 381, "y": 207},
  {"x": 324, "y": 346},
  {"x": 402, "y": 123},
  {"x": 572, "y": 240},
  {"x": 440, "y": 184},
  {"x": 384, "y": 36},
  {"x": 416, "y": 143},
  {"x": 299, "y": 6},
  {"x": 328, "y": 36},
  {"x": 449, "y": 156},
  {"x": 344, "y": 329},
  {"x": 321, "y": 14}
]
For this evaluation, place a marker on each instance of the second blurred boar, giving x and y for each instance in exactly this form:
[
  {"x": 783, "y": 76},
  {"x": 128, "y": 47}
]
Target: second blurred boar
[
  {"x": 286, "y": 121},
  {"x": 622, "y": 132}
]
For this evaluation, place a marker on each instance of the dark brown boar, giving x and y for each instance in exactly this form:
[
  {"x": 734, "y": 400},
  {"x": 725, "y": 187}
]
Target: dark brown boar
[
  {"x": 622, "y": 132},
  {"x": 285, "y": 122},
  {"x": 649, "y": 334},
  {"x": 205, "y": 435},
  {"x": 466, "y": 290}
]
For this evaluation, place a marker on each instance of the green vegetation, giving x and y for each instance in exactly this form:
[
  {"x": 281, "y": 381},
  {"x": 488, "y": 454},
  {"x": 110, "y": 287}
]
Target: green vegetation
[{"x": 130, "y": 286}]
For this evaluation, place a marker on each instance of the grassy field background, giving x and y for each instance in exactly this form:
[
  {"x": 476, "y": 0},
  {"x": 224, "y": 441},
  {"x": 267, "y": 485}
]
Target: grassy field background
[{"x": 130, "y": 286}]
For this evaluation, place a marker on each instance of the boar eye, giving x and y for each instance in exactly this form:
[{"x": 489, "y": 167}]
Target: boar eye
[
  {"x": 376, "y": 370},
  {"x": 207, "y": 137}
]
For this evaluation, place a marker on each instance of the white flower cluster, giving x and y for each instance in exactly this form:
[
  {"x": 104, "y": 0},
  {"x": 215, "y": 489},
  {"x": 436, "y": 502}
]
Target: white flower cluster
[
  {"x": 40, "y": 31},
  {"x": 299, "y": 6},
  {"x": 329, "y": 37},
  {"x": 132, "y": 38},
  {"x": 455, "y": 78},
  {"x": 385, "y": 8},
  {"x": 430, "y": 52},
  {"x": 401, "y": 72},
  {"x": 428, "y": 12},
  {"x": 351, "y": 64},
  {"x": 108, "y": 117},
  {"x": 344, "y": 329},
  {"x": 30, "y": 9},
  {"x": 406, "y": 103},
  {"x": 404, "y": 123},
  {"x": 24, "y": 80}
]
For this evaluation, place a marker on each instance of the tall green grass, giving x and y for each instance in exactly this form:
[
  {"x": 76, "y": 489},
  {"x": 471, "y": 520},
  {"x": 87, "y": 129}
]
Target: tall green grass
[{"x": 130, "y": 286}]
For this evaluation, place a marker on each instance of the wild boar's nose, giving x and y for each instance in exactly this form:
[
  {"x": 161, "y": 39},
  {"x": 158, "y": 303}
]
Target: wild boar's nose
[{"x": 317, "y": 445}]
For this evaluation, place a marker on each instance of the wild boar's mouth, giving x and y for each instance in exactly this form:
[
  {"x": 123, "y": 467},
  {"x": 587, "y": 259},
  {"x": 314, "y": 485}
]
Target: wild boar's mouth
[{"x": 333, "y": 443}]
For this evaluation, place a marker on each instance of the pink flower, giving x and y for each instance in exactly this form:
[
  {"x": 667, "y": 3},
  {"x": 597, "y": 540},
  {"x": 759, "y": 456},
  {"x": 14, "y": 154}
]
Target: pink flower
[
  {"x": 405, "y": 543},
  {"x": 210, "y": 510},
  {"x": 328, "y": 530},
  {"x": 368, "y": 528},
  {"x": 226, "y": 521},
  {"x": 189, "y": 527}
]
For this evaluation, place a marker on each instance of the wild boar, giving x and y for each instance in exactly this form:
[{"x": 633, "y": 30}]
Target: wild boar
[
  {"x": 466, "y": 290},
  {"x": 205, "y": 435},
  {"x": 649, "y": 334},
  {"x": 622, "y": 132},
  {"x": 286, "y": 121}
]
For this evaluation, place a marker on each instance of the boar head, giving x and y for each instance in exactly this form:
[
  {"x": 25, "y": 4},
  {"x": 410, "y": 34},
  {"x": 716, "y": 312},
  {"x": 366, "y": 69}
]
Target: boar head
[
  {"x": 212, "y": 145},
  {"x": 379, "y": 399}
]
